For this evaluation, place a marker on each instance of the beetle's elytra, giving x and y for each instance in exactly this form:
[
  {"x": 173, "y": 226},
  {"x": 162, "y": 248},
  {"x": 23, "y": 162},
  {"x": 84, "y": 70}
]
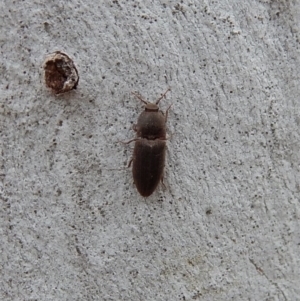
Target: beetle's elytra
[
  {"x": 148, "y": 164},
  {"x": 150, "y": 147}
]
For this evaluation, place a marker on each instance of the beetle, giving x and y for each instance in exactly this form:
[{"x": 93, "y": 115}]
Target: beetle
[{"x": 150, "y": 147}]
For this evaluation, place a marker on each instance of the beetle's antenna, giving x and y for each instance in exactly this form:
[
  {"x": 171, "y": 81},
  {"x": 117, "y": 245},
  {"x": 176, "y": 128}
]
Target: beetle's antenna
[
  {"x": 163, "y": 95},
  {"x": 139, "y": 97}
]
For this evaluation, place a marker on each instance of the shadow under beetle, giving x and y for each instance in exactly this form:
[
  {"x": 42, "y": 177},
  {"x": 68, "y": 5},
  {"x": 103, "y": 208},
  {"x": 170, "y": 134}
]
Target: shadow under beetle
[{"x": 150, "y": 147}]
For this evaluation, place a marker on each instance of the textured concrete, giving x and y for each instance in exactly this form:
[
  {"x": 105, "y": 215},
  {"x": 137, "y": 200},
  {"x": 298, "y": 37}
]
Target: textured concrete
[{"x": 226, "y": 227}]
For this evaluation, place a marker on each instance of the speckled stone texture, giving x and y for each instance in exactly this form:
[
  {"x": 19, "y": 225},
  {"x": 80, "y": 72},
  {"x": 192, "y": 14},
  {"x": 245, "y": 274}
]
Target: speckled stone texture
[{"x": 226, "y": 226}]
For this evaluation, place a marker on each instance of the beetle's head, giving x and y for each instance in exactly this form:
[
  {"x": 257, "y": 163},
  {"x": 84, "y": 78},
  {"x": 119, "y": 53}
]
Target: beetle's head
[{"x": 151, "y": 107}]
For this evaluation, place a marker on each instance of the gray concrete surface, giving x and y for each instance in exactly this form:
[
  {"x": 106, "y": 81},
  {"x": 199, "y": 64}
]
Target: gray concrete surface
[{"x": 226, "y": 227}]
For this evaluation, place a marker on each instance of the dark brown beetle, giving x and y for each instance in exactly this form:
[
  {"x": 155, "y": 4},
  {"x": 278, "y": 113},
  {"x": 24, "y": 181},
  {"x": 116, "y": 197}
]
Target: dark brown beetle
[{"x": 150, "y": 147}]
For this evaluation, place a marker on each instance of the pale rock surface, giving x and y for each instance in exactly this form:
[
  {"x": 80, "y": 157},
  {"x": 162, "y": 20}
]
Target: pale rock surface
[{"x": 226, "y": 227}]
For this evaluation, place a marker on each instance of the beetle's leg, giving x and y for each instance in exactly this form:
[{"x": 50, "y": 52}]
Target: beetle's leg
[
  {"x": 139, "y": 97},
  {"x": 127, "y": 142},
  {"x": 167, "y": 111},
  {"x": 129, "y": 164},
  {"x": 162, "y": 182},
  {"x": 163, "y": 139},
  {"x": 163, "y": 95}
]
